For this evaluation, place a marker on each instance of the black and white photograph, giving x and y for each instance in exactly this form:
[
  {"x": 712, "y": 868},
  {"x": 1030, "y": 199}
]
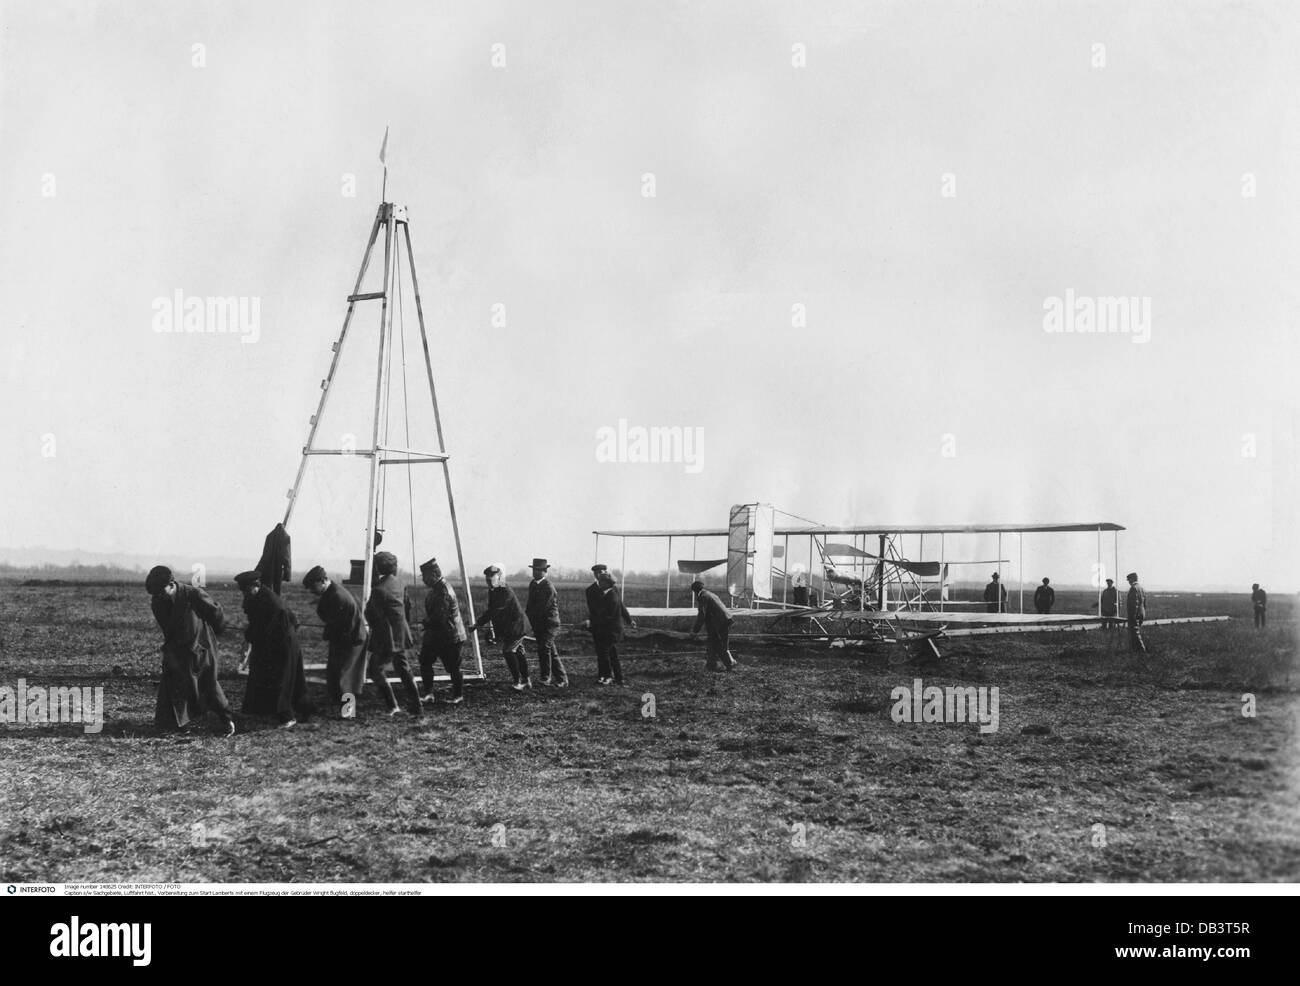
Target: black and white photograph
[{"x": 650, "y": 447}]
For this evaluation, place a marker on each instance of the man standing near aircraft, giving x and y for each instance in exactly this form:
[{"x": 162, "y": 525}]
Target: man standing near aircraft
[
  {"x": 1109, "y": 605},
  {"x": 1259, "y": 601},
  {"x": 607, "y": 617},
  {"x": 543, "y": 610},
  {"x": 1044, "y": 597},
  {"x": 713, "y": 617},
  {"x": 995, "y": 595},
  {"x": 1136, "y": 610}
]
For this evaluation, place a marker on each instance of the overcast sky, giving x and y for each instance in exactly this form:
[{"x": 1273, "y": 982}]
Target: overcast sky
[{"x": 860, "y": 215}]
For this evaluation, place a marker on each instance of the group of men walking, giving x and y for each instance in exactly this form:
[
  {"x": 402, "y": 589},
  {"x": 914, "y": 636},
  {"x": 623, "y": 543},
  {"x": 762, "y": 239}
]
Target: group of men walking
[{"x": 361, "y": 643}]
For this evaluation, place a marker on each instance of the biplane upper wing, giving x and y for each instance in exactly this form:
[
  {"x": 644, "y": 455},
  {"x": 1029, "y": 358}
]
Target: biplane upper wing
[{"x": 821, "y": 529}]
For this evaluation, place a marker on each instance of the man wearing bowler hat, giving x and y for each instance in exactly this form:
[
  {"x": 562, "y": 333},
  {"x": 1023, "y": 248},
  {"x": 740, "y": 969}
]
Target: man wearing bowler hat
[
  {"x": 543, "y": 611},
  {"x": 1136, "y": 611},
  {"x": 995, "y": 595},
  {"x": 391, "y": 639},
  {"x": 444, "y": 633}
]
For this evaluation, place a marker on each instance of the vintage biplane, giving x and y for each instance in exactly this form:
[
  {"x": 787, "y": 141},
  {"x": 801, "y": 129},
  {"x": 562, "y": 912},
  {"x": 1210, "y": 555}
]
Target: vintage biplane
[{"x": 855, "y": 584}]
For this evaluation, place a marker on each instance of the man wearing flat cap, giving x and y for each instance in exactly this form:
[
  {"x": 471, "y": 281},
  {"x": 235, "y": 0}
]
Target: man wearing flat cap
[
  {"x": 444, "y": 633},
  {"x": 391, "y": 639},
  {"x": 1136, "y": 610},
  {"x": 345, "y": 634},
  {"x": 543, "y": 611},
  {"x": 277, "y": 682},
  {"x": 507, "y": 619},
  {"x": 712, "y": 616},
  {"x": 190, "y": 619},
  {"x": 606, "y": 618}
]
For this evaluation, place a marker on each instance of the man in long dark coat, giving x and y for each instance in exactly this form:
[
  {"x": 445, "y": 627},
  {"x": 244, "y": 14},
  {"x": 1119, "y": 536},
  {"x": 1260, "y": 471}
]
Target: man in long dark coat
[
  {"x": 1044, "y": 597},
  {"x": 391, "y": 640},
  {"x": 543, "y": 611},
  {"x": 995, "y": 595},
  {"x": 506, "y": 616},
  {"x": 444, "y": 633},
  {"x": 607, "y": 617},
  {"x": 277, "y": 683},
  {"x": 345, "y": 633},
  {"x": 1109, "y": 606},
  {"x": 713, "y": 617},
  {"x": 189, "y": 619}
]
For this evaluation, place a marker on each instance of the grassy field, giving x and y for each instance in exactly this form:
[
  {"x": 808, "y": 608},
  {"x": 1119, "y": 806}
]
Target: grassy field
[{"x": 1104, "y": 767}]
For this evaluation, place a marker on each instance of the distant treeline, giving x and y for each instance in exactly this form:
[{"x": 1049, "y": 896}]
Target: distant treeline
[{"x": 79, "y": 573}]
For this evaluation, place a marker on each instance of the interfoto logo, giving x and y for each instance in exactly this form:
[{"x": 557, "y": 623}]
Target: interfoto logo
[
  {"x": 38, "y": 706},
  {"x": 75, "y": 940},
  {"x": 1099, "y": 316},
  {"x": 230, "y": 315},
  {"x": 637, "y": 443},
  {"x": 930, "y": 703}
]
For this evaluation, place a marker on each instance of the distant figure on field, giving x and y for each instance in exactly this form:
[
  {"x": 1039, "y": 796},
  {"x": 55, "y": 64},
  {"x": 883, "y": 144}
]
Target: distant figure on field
[
  {"x": 277, "y": 683},
  {"x": 1259, "y": 600},
  {"x": 1109, "y": 606},
  {"x": 543, "y": 611},
  {"x": 345, "y": 633},
  {"x": 1136, "y": 610},
  {"x": 391, "y": 640},
  {"x": 607, "y": 617},
  {"x": 713, "y": 617},
  {"x": 507, "y": 619},
  {"x": 190, "y": 620},
  {"x": 995, "y": 595},
  {"x": 1044, "y": 597},
  {"x": 444, "y": 633}
]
